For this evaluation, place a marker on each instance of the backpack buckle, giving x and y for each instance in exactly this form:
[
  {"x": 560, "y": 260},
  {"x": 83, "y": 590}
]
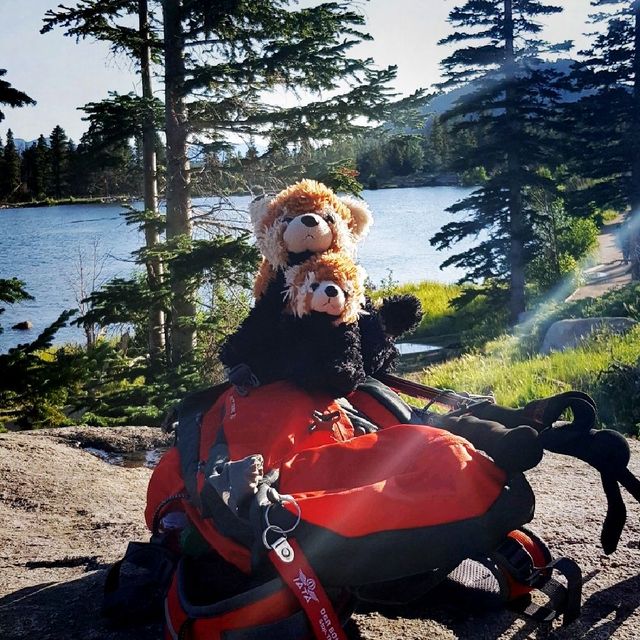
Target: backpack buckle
[{"x": 513, "y": 558}]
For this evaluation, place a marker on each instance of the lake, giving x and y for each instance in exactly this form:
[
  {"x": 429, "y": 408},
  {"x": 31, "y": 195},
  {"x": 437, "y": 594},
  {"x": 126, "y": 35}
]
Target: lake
[{"x": 41, "y": 246}]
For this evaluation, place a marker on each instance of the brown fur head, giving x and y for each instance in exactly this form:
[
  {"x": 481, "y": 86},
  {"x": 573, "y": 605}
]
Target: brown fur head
[
  {"x": 307, "y": 216},
  {"x": 330, "y": 283}
]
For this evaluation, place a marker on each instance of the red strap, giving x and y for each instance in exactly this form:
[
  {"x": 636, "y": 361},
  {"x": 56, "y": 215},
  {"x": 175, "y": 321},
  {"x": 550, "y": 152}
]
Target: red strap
[{"x": 298, "y": 575}]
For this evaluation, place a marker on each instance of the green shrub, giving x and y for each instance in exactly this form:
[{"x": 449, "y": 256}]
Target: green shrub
[{"x": 618, "y": 394}]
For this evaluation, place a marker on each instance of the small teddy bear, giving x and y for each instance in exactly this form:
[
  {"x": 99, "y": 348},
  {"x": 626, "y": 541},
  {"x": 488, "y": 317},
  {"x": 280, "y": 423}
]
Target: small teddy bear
[{"x": 318, "y": 336}]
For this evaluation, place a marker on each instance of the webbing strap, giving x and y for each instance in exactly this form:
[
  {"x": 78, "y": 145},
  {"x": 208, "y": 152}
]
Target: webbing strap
[
  {"x": 298, "y": 575},
  {"x": 190, "y": 414},
  {"x": 517, "y": 562},
  {"x": 445, "y": 397},
  {"x": 565, "y": 601}
]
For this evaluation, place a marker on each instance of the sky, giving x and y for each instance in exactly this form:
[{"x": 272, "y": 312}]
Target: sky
[{"x": 62, "y": 75}]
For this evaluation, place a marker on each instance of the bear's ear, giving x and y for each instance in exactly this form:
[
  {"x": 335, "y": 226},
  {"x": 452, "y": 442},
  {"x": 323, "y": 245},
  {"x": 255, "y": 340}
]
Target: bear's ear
[
  {"x": 258, "y": 207},
  {"x": 361, "y": 218}
]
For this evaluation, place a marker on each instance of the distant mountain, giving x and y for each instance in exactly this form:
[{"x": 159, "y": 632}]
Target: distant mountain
[
  {"x": 441, "y": 103},
  {"x": 21, "y": 144}
]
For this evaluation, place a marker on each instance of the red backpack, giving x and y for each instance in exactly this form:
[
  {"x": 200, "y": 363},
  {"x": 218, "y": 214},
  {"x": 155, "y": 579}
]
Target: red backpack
[{"x": 371, "y": 503}]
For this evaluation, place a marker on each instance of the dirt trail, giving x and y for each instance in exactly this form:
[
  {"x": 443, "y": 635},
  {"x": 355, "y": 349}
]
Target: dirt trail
[
  {"x": 65, "y": 516},
  {"x": 611, "y": 271}
]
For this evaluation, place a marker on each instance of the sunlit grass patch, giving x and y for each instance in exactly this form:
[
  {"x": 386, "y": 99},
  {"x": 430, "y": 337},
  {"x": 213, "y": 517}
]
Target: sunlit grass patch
[{"x": 514, "y": 381}]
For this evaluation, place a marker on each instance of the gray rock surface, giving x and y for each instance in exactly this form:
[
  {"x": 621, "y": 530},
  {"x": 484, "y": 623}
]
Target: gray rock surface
[
  {"x": 566, "y": 334},
  {"x": 65, "y": 516}
]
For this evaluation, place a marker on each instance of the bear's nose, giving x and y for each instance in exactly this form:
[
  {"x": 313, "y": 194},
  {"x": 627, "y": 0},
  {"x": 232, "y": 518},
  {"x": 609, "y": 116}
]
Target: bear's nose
[
  {"x": 309, "y": 221},
  {"x": 331, "y": 291}
]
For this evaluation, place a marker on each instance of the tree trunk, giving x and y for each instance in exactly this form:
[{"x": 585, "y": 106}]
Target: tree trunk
[
  {"x": 635, "y": 150},
  {"x": 152, "y": 236},
  {"x": 183, "y": 308},
  {"x": 515, "y": 206}
]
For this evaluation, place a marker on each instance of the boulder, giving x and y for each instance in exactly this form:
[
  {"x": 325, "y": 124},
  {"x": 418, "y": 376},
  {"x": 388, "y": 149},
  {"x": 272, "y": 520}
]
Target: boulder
[
  {"x": 25, "y": 325},
  {"x": 566, "y": 334}
]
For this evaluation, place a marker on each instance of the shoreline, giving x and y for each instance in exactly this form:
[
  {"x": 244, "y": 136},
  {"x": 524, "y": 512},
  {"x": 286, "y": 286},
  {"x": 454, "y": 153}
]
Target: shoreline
[
  {"x": 414, "y": 181},
  {"x": 37, "y": 204}
]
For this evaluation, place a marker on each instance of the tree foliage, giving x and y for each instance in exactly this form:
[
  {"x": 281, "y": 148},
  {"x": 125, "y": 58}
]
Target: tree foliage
[
  {"x": 11, "y": 96},
  {"x": 605, "y": 145},
  {"x": 509, "y": 112}
]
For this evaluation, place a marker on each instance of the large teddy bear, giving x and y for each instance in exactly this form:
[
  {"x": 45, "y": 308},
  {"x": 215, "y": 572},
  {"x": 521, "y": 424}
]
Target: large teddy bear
[{"x": 304, "y": 220}]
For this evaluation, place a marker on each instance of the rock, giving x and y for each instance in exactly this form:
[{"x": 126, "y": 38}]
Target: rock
[
  {"x": 65, "y": 516},
  {"x": 25, "y": 325},
  {"x": 566, "y": 334}
]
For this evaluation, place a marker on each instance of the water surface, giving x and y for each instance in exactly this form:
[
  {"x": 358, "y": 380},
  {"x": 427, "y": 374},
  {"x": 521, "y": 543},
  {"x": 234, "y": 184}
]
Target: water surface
[{"x": 42, "y": 247}]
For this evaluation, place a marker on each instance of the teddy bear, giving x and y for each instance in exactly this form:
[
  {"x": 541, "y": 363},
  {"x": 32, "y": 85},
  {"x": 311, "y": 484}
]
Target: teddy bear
[
  {"x": 315, "y": 341},
  {"x": 319, "y": 334},
  {"x": 303, "y": 220}
]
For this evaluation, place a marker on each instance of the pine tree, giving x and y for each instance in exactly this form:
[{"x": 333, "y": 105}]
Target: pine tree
[
  {"x": 37, "y": 168},
  {"x": 10, "y": 180},
  {"x": 606, "y": 120},
  {"x": 437, "y": 145},
  {"x": 59, "y": 154},
  {"x": 103, "y": 21},
  {"x": 219, "y": 60},
  {"x": 509, "y": 109},
  {"x": 11, "y": 96}
]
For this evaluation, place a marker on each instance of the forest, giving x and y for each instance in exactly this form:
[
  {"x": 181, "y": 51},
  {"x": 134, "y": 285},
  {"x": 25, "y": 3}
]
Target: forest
[{"x": 551, "y": 150}]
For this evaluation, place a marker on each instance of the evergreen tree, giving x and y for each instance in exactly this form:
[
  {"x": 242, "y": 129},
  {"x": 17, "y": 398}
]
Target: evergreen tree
[
  {"x": 11, "y": 96},
  {"x": 437, "y": 146},
  {"x": 10, "y": 180},
  {"x": 59, "y": 154},
  {"x": 36, "y": 168},
  {"x": 219, "y": 61},
  {"x": 606, "y": 120},
  {"x": 110, "y": 22},
  {"x": 404, "y": 154},
  {"x": 510, "y": 110},
  {"x": 2, "y": 170}
]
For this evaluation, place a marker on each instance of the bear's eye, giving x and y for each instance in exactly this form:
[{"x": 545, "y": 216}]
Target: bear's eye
[
  {"x": 287, "y": 220},
  {"x": 329, "y": 218},
  {"x": 314, "y": 286}
]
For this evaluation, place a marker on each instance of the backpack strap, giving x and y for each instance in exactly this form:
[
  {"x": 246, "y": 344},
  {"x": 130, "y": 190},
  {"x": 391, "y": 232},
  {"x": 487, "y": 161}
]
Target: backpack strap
[
  {"x": 296, "y": 572},
  {"x": 445, "y": 397},
  {"x": 527, "y": 564},
  {"x": 521, "y": 565},
  {"x": 190, "y": 413}
]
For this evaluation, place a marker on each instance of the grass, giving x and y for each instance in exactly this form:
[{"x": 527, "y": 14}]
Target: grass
[
  {"x": 442, "y": 323},
  {"x": 515, "y": 380},
  {"x": 435, "y": 298},
  {"x": 510, "y": 368}
]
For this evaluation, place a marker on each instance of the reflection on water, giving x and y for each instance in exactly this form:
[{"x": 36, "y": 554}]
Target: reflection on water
[
  {"x": 406, "y": 348},
  {"x": 143, "y": 458}
]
